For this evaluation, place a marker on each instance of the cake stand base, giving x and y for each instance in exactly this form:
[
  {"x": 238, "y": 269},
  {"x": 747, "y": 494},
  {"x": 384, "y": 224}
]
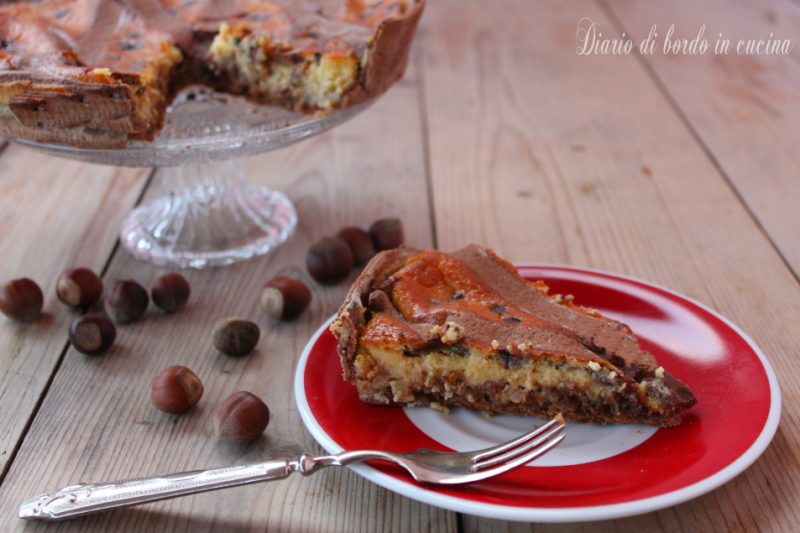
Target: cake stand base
[{"x": 211, "y": 217}]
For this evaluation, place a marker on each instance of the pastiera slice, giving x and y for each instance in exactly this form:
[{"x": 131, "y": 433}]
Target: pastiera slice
[
  {"x": 465, "y": 329},
  {"x": 96, "y": 73}
]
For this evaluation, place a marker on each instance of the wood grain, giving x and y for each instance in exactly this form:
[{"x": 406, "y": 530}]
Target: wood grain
[
  {"x": 54, "y": 214},
  {"x": 549, "y": 156},
  {"x": 744, "y": 108},
  {"x": 97, "y": 423}
]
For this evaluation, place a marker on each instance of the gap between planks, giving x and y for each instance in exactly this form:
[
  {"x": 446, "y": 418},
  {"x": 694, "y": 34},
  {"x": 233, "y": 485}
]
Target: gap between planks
[{"x": 695, "y": 134}]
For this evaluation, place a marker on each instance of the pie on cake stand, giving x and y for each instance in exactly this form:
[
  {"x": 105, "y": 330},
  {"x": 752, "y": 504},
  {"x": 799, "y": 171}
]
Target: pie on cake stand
[
  {"x": 212, "y": 216},
  {"x": 91, "y": 79}
]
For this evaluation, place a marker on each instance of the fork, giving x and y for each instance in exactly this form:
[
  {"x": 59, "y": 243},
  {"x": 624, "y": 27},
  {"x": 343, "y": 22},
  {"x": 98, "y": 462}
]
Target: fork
[{"x": 428, "y": 466}]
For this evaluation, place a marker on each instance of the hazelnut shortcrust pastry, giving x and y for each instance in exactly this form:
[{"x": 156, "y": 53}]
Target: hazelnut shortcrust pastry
[
  {"x": 465, "y": 329},
  {"x": 97, "y": 73}
]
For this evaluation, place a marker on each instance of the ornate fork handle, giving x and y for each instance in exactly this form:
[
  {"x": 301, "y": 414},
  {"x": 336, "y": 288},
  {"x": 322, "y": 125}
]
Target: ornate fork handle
[{"x": 79, "y": 500}]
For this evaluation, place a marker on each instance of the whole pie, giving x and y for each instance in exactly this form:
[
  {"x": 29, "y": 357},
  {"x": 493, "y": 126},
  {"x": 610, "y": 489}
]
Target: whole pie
[
  {"x": 465, "y": 329},
  {"x": 96, "y": 73}
]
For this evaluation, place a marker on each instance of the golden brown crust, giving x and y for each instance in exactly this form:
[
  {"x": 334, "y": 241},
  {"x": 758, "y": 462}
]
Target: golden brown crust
[
  {"x": 387, "y": 56},
  {"x": 99, "y": 83},
  {"x": 421, "y": 327}
]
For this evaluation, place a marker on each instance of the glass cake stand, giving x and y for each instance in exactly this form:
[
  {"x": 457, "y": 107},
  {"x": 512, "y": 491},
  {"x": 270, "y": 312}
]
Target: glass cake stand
[{"x": 211, "y": 215}]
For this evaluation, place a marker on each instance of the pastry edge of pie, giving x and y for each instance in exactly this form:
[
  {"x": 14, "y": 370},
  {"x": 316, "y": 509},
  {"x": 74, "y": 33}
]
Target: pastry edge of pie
[{"x": 660, "y": 391}]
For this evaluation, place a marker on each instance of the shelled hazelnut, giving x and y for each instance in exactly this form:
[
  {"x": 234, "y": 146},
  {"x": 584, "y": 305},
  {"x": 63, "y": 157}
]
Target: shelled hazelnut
[
  {"x": 170, "y": 292},
  {"x": 285, "y": 298},
  {"x": 79, "y": 287},
  {"x": 329, "y": 260},
  {"x": 176, "y": 389},
  {"x": 387, "y": 233},
  {"x": 92, "y": 334},
  {"x": 360, "y": 244},
  {"x": 242, "y": 417},
  {"x": 21, "y": 299},
  {"x": 235, "y": 336},
  {"x": 126, "y": 301}
]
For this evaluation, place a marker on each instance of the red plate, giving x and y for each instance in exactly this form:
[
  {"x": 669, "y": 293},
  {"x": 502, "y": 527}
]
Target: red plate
[{"x": 734, "y": 420}]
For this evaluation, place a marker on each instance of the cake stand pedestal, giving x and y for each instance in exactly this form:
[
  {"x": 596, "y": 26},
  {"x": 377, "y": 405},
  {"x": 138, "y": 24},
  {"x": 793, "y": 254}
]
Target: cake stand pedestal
[{"x": 212, "y": 215}]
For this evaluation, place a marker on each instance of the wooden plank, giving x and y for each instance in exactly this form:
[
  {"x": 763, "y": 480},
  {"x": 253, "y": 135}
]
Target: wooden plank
[
  {"x": 97, "y": 423},
  {"x": 744, "y": 107},
  {"x": 553, "y": 157},
  {"x": 54, "y": 214}
]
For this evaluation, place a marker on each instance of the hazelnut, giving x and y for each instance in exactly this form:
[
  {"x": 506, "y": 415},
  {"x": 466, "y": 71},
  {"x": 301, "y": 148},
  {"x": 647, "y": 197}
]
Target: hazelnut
[
  {"x": 360, "y": 244},
  {"x": 21, "y": 299},
  {"x": 235, "y": 336},
  {"x": 387, "y": 233},
  {"x": 79, "y": 287},
  {"x": 170, "y": 292},
  {"x": 241, "y": 417},
  {"x": 329, "y": 260},
  {"x": 92, "y": 334},
  {"x": 285, "y": 298},
  {"x": 126, "y": 302},
  {"x": 176, "y": 389}
]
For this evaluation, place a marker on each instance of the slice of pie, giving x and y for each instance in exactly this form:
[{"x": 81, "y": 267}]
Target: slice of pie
[
  {"x": 465, "y": 329},
  {"x": 96, "y": 73}
]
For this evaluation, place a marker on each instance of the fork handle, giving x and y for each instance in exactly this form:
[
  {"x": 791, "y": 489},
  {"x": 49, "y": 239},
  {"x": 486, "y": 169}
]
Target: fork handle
[{"x": 79, "y": 500}]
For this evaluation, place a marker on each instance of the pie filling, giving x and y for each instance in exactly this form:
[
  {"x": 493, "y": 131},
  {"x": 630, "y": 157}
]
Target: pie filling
[
  {"x": 303, "y": 81},
  {"x": 427, "y": 328}
]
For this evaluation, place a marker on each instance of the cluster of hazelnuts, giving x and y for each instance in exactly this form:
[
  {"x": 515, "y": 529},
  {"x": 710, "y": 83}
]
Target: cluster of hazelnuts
[
  {"x": 176, "y": 389},
  {"x": 242, "y": 417},
  {"x": 330, "y": 259},
  {"x": 80, "y": 288}
]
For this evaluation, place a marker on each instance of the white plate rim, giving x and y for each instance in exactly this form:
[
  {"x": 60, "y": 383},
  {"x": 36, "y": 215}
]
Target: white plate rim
[{"x": 567, "y": 514}]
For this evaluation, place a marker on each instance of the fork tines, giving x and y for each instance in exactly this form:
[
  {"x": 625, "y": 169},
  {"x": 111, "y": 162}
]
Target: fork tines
[{"x": 521, "y": 450}]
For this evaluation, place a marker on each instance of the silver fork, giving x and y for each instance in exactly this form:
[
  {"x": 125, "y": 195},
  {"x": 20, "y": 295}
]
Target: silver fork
[{"x": 444, "y": 468}]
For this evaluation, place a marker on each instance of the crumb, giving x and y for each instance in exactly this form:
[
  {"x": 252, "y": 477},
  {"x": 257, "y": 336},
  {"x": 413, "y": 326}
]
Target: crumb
[
  {"x": 453, "y": 333},
  {"x": 594, "y": 366},
  {"x": 522, "y": 346},
  {"x": 436, "y": 406},
  {"x": 660, "y": 372},
  {"x": 612, "y": 375},
  {"x": 495, "y": 344}
]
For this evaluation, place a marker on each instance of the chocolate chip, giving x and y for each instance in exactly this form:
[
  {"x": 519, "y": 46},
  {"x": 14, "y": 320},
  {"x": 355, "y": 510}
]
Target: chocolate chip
[
  {"x": 408, "y": 352},
  {"x": 599, "y": 350},
  {"x": 508, "y": 359},
  {"x": 497, "y": 308},
  {"x": 130, "y": 44},
  {"x": 259, "y": 16},
  {"x": 458, "y": 349}
]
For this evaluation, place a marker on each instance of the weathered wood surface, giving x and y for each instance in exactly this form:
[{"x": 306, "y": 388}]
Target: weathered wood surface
[
  {"x": 500, "y": 134},
  {"x": 744, "y": 109},
  {"x": 54, "y": 214}
]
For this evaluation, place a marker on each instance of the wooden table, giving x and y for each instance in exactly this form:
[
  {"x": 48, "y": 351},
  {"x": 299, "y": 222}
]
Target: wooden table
[{"x": 679, "y": 170}]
